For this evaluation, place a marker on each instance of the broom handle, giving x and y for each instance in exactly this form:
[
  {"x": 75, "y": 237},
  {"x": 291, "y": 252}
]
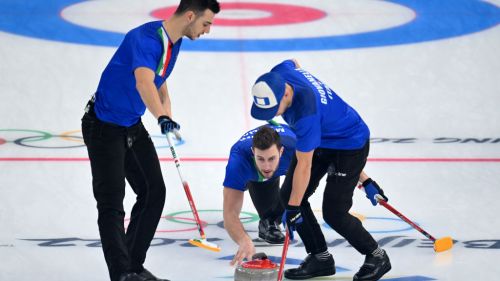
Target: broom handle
[
  {"x": 403, "y": 217},
  {"x": 407, "y": 220},
  {"x": 186, "y": 186},
  {"x": 283, "y": 254}
]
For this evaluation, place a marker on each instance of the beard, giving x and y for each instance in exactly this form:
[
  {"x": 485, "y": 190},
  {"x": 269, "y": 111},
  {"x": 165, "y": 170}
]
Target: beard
[
  {"x": 189, "y": 32},
  {"x": 268, "y": 174}
]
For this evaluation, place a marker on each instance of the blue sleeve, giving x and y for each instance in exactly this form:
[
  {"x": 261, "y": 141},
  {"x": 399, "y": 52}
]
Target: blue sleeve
[
  {"x": 144, "y": 53},
  {"x": 235, "y": 173},
  {"x": 284, "y": 66},
  {"x": 308, "y": 132}
]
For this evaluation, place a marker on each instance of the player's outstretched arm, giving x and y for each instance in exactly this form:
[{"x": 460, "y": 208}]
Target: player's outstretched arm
[{"x": 233, "y": 201}]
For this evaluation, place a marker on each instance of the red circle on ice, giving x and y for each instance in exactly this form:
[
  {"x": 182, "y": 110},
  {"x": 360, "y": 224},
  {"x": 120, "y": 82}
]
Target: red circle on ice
[
  {"x": 2, "y": 141},
  {"x": 274, "y": 14}
]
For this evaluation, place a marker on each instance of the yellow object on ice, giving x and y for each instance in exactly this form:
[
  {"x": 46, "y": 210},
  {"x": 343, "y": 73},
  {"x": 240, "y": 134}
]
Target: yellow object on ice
[
  {"x": 443, "y": 244},
  {"x": 203, "y": 243}
]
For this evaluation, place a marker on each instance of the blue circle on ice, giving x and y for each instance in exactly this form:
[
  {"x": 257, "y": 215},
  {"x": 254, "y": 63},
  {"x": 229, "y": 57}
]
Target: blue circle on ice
[{"x": 435, "y": 20}]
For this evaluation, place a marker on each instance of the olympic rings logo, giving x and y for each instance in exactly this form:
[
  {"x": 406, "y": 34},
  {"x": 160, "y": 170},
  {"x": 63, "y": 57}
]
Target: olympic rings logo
[
  {"x": 46, "y": 140},
  {"x": 40, "y": 136},
  {"x": 175, "y": 218},
  {"x": 165, "y": 225}
]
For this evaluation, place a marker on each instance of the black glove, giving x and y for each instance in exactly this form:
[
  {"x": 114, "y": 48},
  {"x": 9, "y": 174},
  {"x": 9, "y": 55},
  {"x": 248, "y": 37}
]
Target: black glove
[
  {"x": 167, "y": 125},
  {"x": 372, "y": 189},
  {"x": 291, "y": 218}
]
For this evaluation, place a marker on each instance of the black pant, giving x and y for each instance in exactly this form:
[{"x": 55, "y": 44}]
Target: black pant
[
  {"x": 343, "y": 168},
  {"x": 117, "y": 153},
  {"x": 266, "y": 198}
]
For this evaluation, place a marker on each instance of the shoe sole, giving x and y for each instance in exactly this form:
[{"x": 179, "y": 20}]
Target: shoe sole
[
  {"x": 317, "y": 274},
  {"x": 384, "y": 271}
]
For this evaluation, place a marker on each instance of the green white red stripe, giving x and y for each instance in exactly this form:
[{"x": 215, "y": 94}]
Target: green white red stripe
[{"x": 167, "y": 52}]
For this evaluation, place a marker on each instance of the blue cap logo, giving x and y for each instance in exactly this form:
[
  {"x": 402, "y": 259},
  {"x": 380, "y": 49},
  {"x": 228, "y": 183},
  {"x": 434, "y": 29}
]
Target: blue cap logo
[{"x": 267, "y": 93}]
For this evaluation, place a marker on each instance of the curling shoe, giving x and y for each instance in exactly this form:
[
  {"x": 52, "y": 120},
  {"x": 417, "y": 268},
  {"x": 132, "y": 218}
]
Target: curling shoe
[
  {"x": 312, "y": 267},
  {"x": 269, "y": 230},
  {"x": 130, "y": 277},
  {"x": 375, "y": 266},
  {"x": 148, "y": 276}
]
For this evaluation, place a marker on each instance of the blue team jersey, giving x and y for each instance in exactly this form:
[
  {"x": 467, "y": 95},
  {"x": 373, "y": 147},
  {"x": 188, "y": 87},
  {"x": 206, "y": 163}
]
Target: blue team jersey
[
  {"x": 318, "y": 116},
  {"x": 117, "y": 99},
  {"x": 241, "y": 167}
]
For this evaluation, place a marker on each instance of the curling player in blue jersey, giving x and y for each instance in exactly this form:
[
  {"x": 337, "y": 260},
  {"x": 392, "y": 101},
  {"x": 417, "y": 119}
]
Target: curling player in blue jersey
[
  {"x": 118, "y": 144},
  {"x": 332, "y": 140},
  {"x": 256, "y": 162}
]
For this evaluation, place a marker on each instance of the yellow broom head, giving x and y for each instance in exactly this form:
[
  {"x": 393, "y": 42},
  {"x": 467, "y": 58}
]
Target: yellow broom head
[
  {"x": 203, "y": 243},
  {"x": 443, "y": 244}
]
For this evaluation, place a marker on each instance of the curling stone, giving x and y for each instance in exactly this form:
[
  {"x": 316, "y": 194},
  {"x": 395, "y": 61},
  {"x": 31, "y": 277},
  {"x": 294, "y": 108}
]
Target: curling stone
[{"x": 260, "y": 268}]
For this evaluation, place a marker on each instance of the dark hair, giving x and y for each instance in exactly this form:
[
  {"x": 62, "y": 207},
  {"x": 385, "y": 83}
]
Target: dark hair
[
  {"x": 265, "y": 137},
  {"x": 197, "y": 6}
]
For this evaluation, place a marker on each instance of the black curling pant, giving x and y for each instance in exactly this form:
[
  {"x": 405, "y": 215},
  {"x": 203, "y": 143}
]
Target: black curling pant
[
  {"x": 117, "y": 153},
  {"x": 266, "y": 198},
  {"x": 342, "y": 168}
]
